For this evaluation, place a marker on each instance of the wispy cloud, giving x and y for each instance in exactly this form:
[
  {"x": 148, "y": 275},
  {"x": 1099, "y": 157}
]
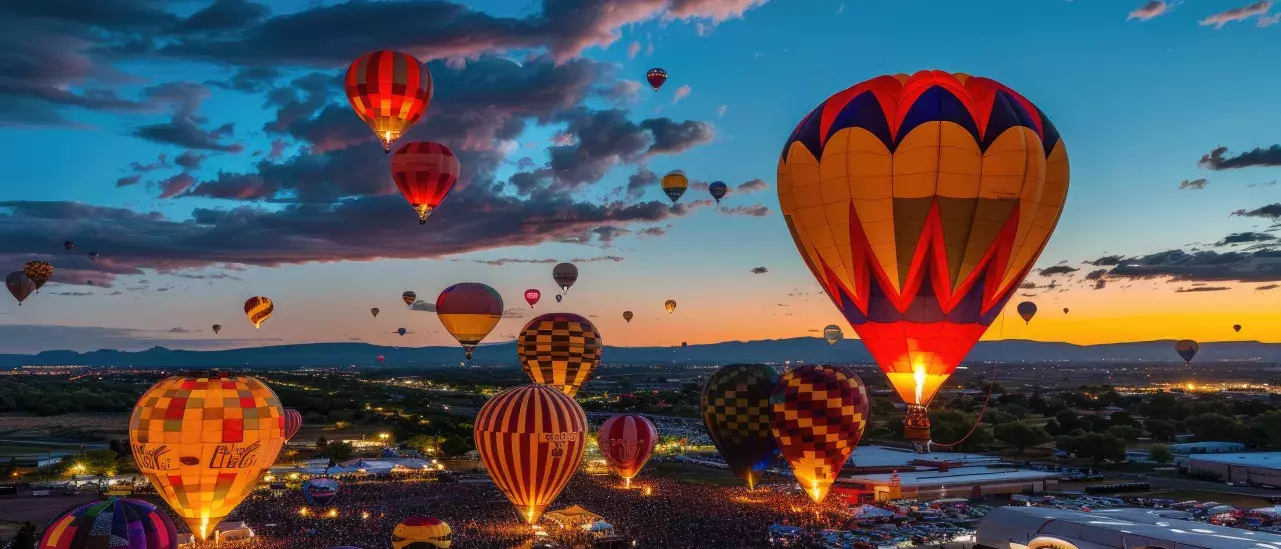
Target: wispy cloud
[
  {"x": 759, "y": 270},
  {"x": 1193, "y": 185},
  {"x": 507, "y": 260},
  {"x": 1150, "y": 10},
  {"x": 1242, "y": 13},
  {"x": 1058, "y": 270},
  {"x": 1202, "y": 289},
  {"x": 681, "y": 93}
]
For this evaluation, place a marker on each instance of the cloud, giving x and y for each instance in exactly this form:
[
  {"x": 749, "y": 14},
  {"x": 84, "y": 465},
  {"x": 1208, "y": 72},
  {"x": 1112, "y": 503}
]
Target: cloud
[
  {"x": 184, "y": 131},
  {"x": 509, "y": 260},
  {"x": 638, "y": 182},
  {"x": 1217, "y": 159},
  {"x": 425, "y": 306},
  {"x": 1096, "y": 274},
  {"x": 1264, "y": 184},
  {"x": 1149, "y": 10},
  {"x": 1195, "y": 184},
  {"x": 1268, "y": 20},
  {"x": 758, "y": 210},
  {"x": 1242, "y": 238},
  {"x": 250, "y": 79},
  {"x": 31, "y": 339},
  {"x": 514, "y": 312},
  {"x": 178, "y": 330},
  {"x": 752, "y": 185},
  {"x": 1262, "y": 265},
  {"x": 652, "y": 231},
  {"x": 1057, "y": 270},
  {"x": 1242, "y": 13},
  {"x": 633, "y": 49},
  {"x": 74, "y": 294},
  {"x": 1268, "y": 287},
  {"x": 161, "y": 162},
  {"x": 1107, "y": 260},
  {"x": 1100, "y": 284},
  {"x": 759, "y": 270},
  {"x": 681, "y": 93},
  {"x": 190, "y": 160},
  {"x": 1202, "y": 289},
  {"x": 176, "y": 185},
  {"x": 128, "y": 180},
  {"x": 333, "y": 35},
  {"x": 1271, "y": 211},
  {"x": 720, "y": 111},
  {"x": 840, "y": 10}
]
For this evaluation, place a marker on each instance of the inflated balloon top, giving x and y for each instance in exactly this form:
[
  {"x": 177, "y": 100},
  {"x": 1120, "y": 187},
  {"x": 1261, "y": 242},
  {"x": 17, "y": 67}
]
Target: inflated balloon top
[
  {"x": 656, "y": 77},
  {"x": 425, "y": 172},
  {"x": 469, "y": 311},
  {"x": 1187, "y": 350},
  {"x": 919, "y": 203},
  {"x": 39, "y": 272},
  {"x": 565, "y": 275},
  {"x": 409, "y": 298},
  {"x": 674, "y": 185},
  {"x": 258, "y": 309},
  {"x": 736, "y": 411},
  {"x": 559, "y": 349},
  {"x": 123, "y": 523},
  {"x": 20, "y": 285},
  {"x": 390, "y": 91},
  {"x": 422, "y": 533},
  {"x": 718, "y": 190}
]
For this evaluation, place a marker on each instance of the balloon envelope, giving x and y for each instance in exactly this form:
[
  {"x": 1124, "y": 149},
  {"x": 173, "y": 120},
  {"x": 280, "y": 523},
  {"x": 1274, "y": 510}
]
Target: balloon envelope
[
  {"x": 559, "y": 349},
  {"x": 69, "y": 245},
  {"x": 627, "y": 315},
  {"x": 718, "y": 190},
  {"x": 204, "y": 441},
  {"x": 125, "y": 523},
  {"x": 469, "y": 311},
  {"x": 389, "y": 91},
  {"x": 409, "y": 298},
  {"x": 656, "y": 77},
  {"x": 818, "y": 414},
  {"x": 565, "y": 274},
  {"x": 374, "y": 311},
  {"x": 736, "y": 410},
  {"x": 217, "y": 328},
  {"x": 532, "y": 296},
  {"x": 832, "y": 333},
  {"x": 670, "y": 305},
  {"x": 531, "y": 439},
  {"x": 1236, "y": 327},
  {"x": 38, "y": 271},
  {"x": 258, "y": 309},
  {"x": 320, "y": 491},
  {"x": 559, "y": 298},
  {"x": 1187, "y": 349},
  {"x": 674, "y": 185},
  {"x": 20, "y": 285},
  {"x": 293, "y": 422},
  {"x": 626, "y": 441},
  {"x": 1027, "y": 310},
  {"x": 422, "y": 533},
  {"x": 424, "y": 172},
  {"x": 402, "y": 331},
  {"x": 919, "y": 203}
]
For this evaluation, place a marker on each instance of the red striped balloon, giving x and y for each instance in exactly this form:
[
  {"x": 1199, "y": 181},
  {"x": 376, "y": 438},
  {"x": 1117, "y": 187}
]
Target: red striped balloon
[
  {"x": 390, "y": 91},
  {"x": 425, "y": 172},
  {"x": 627, "y": 441},
  {"x": 293, "y": 422},
  {"x": 531, "y": 439}
]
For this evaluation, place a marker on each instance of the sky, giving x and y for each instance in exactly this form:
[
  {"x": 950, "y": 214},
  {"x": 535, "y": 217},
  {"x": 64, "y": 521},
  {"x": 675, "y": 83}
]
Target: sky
[{"x": 206, "y": 151}]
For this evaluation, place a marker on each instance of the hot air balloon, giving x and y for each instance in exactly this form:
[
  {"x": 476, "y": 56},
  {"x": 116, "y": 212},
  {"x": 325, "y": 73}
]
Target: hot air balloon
[
  {"x": 1187, "y": 349},
  {"x": 374, "y": 311},
  {"x": 389, "y": 91},
  {"x": 320, "y": 491},
  {"x": 1065, "y": 310},
  {"x": 560, "y": 298},
  {"x": 832, "y": 333},
  {"x": 1236, "y": 327},
  {"x": 293, "y": 422},
  {"x": 736, "y": 411},
  {"x": 258, "y": 309},
  {"x": 656, "y": 77},
  {"x": 684, "y": 344},
  {"x": 204, "y": 440},
  {"x": 1027, "y": 310},
  {"x": 674, "y": 185},
  {"x": 565, "y": 274},
  {"x": 69, "y": 245},
  {"x": 532, "y": 296},
  {"x": 818, "y": 414},
  {"x": 670, "y": 305},
  {"x": 531, "y": 439},
  {"x": 38, "y": 271},
  {"x": 718, "y": 190},
  {"x": 19, "y": 285},
  {"x": 469, "y": 312},
  {"x": 626, "y": 441},
  {"x": 559, "y": 349},
  {"x": 217, "y": 328},
  {"x": 124, "y": 523},
  {"x": 381, "y": 359},
  {"x": 424, "y": 172},
  {"x": 402, "y": 331},
  {"x": 93, "y": 256},
  {"x": 627, "y": 315},
  {"x": 422, "y": 533},
  {"x": 920, "y": 203},
  {"x": 409, "y": 298}
]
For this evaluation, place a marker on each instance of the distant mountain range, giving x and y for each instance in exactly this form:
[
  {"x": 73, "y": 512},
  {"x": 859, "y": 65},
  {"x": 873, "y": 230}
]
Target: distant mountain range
[{"x": 809, "y": 350}]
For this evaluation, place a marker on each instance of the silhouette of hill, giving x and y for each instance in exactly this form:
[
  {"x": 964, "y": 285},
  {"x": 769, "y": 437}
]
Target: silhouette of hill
[{"x": 804, "y": 349}]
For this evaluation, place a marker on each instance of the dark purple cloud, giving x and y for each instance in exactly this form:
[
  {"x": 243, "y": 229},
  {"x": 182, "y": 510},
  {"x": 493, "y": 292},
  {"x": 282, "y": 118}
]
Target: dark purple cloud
[
  {"x": 223, "y": 15},
  {"x": 753, "y": 185},
  {"x": 1193, "y": 185},
  {"x": 1268, "y": 287},
  {"x": 1218, "y": 158},
  {"x": 162, "y": 161},
  {"x": 758, "y": 210},
  {"x": 1096, "y": 274},
  {"x": 652, "y": 231},
  {"x": 638, "y": 182},
  {"x": 1246, "y": 266},
  {"x": 1271, "y": 211},
  {"x": 128, "y": 180},
  {"x": 1202, "y": 289},
  {"x": 1057, "y": 270},
  {"x": 1107, "y": 260},
  {"x": 759, "y": 270},
  {"x": 185, "y": 131},
  {"x": 1244, "y": 238},
  {"x": 509, "y": 260},
  {"x": 190, "y": 160}
]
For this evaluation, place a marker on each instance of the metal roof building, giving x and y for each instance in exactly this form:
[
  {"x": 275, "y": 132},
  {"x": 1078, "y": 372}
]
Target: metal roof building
[{"x": 1048, "y": 528}]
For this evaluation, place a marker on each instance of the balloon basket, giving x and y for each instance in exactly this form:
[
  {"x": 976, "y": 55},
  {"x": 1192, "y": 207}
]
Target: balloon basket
[{"x": 916, "y": 427}]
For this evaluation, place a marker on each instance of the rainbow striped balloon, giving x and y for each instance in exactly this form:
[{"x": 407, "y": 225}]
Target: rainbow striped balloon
[{"x": 124, "y": 523}]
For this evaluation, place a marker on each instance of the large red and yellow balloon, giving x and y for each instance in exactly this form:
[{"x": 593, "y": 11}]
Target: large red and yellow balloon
[
  {"x": 531, "y": 439},
  {"x": 920, "y": 203},
  {"x": 258, "y": 309},
  {"x": 818, "y": 414},
  {"x": 421, "y": 533},
  {"x": 204, "y": 440},
  {"x": 469, "y": 311},
  {"x": 626, "y": 441},
  {"x": 389, "y": 91}
]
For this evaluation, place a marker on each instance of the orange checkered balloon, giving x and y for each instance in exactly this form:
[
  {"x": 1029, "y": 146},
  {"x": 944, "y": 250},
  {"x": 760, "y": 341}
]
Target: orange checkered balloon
[
  {"x": 818, "y": 416},
  {"x": 204, "y": 440}
]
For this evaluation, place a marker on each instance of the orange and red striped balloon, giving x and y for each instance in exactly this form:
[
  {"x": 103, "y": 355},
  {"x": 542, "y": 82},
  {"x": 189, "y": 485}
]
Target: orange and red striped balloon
[
  {"x": 390, "y": 91},
  {"x": 293, "y": 422},
  {"x": 531, "y": 439},
  {"x": 424, "y": 172},
  {"x": 626, "y": 441},
  {"x": 259, "y": 309}
]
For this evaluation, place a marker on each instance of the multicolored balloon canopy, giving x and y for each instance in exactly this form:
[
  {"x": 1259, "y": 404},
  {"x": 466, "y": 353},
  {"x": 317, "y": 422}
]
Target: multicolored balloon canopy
[
  {"x": 674, "y": 185},
  {"x": 559, "y": 349},
  {"x": 425, "y": 172},
  {"x": 469, "y": 311},
  {"x": 258, "y": 309},
  {"x": 114, "y": 523},
  {"x": 736, "y": 411},
  {"x": 818, "y": 414},
  {"x": 422, "y": 533},
  {"x": 919, "y": 203},
  {"x": 293, "y": 422},
  {"x": 320, "y": 491},
  {"x": 390, "y": 91},
  {"x": 204, "y": 441}
]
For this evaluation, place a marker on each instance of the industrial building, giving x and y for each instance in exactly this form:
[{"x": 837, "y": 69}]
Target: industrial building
[
  {"x": 879, "y": 473},
  {"x": 1049, "y": 528},
  {"x": 1208, "y": 447},
  {"x": 1248, "y": 467}
]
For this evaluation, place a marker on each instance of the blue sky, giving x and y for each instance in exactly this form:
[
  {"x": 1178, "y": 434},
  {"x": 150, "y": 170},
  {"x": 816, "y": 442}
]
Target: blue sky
[{"x": 1138, "y": 103}]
